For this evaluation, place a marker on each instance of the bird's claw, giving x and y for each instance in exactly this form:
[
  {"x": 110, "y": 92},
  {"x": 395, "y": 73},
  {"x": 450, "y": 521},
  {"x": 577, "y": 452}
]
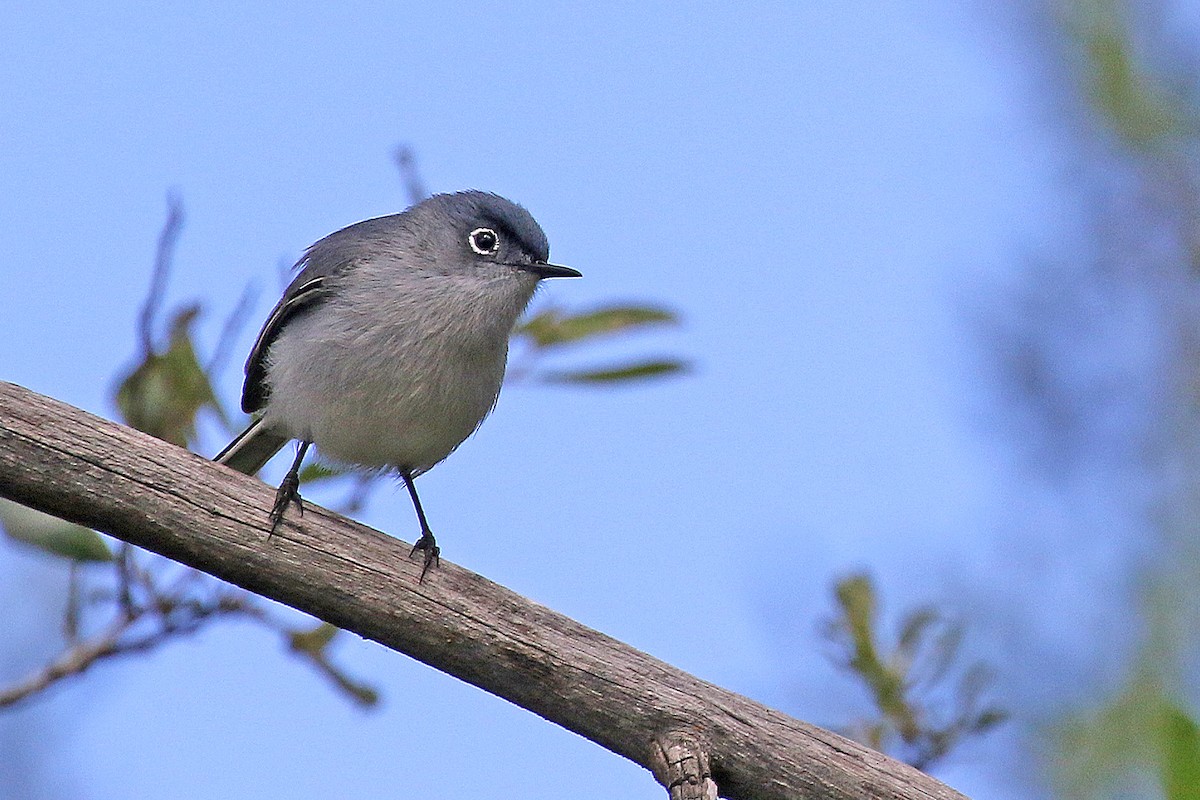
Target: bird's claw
[
  {"x": 432, "y": 552},
  {"x": 288, "y": 492}
]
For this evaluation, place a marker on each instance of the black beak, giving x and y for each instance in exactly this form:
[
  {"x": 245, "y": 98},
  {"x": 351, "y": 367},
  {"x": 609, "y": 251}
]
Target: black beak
[{"x": 544, "y": 270}]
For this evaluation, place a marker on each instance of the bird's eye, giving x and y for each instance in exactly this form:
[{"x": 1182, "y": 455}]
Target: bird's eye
[{"x": 484, "y": 241}]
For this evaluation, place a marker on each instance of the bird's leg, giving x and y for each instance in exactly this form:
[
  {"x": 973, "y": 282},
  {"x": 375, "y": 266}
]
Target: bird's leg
[
  {"x": 426, "y": 542},
  {"x": 289, "y": 490}
]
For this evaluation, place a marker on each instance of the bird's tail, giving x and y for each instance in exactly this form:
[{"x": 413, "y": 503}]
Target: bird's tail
[{"x": 252, "y": 448}]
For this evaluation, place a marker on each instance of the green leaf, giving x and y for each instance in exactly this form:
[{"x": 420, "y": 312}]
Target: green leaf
[
  {"x": 943, "y": 652},
  {"x": 361, "y": 693},
  {"x": 313, "y": 644},
  {"x": 856, "y": 595},
  {"x": 629, "y": 372},
  {"x": 913, "y": 631},
  {"x": 163, "y": 394},
  {"x": 1180, "y": 765},
  {"x": 987, "y": 719},
  {"x": 552, "y": 327},
  {"x": 315, "y": 640},
  {"x": 1123, "y": 84},
  {"x": 318, "y": 471},
  {"x": 51, "y": 534}
]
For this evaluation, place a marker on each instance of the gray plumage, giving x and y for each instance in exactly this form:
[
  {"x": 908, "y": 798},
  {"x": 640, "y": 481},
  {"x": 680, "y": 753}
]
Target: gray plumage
[{"x": 388, "y": 348}]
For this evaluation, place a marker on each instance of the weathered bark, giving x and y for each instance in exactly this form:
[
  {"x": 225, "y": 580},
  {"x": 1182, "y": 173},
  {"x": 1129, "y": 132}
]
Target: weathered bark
[{"x": 689, "y": 733}]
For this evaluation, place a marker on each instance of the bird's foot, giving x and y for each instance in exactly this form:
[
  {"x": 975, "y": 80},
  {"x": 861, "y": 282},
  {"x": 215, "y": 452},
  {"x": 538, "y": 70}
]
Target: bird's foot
[
  {"x": 288, "y": 492},
  {"x": 432, "y": 552}
]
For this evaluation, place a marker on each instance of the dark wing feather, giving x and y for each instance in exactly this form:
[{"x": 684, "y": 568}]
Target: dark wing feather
[
  {"x": 328, "y": 258},
  {"x": 301, "y": 295}
]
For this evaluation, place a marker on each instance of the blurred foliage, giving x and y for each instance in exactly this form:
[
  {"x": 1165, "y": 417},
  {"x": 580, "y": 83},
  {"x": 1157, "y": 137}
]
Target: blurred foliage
[
  {"x": 1112, "y": 330},
  {"x": 1122, "y": 83},
  {"x": 321, "y": 471},
  {"x": 925, "y": 702},
  {"x": 1179, "y": 765},
  {"x": 1140, "y": 740},
  {"x": 554, "y": 329},
  {"x": 52, "y": 534},
  {"x": 313, "y": 644},
  {"x": 652, "y": 368},
  {"x": 1140, "y": 733},
  {"x": 168, "y": 388}
]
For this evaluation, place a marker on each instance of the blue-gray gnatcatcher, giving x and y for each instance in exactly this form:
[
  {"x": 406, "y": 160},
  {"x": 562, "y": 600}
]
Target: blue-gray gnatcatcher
[{"x": 388, "y": 348}]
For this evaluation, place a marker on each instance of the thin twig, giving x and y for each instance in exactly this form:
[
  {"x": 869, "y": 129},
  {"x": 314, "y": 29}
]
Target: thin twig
[
  {"x": 139, "y": 602},
  {"x": 406, "y": 163},
  {"x": 230, "y": 330},
  {"x": 162, "y": 267},
  {"x": 71, "y": 614},
  {"x": 124, "y": 578},
  {"x": 72, "y": 661}
]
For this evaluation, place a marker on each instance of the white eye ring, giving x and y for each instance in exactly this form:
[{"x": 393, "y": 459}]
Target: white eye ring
[{"x": 484, "y": 241}]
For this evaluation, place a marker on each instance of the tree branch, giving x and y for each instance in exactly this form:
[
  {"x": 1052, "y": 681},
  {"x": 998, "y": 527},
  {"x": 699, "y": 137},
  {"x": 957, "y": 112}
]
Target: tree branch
[
  {"x": 73, "y": 661},
  {"x": 74, "y": 465}
]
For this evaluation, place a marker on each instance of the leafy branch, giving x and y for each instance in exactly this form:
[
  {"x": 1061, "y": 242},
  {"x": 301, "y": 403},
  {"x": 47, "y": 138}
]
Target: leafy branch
[
  {"x": 553, "y": 329},
  {"x": 905, "y": 681}
]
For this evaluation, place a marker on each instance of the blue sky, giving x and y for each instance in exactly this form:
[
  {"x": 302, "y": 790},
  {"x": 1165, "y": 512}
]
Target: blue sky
[{"x": 822, "y": 194}]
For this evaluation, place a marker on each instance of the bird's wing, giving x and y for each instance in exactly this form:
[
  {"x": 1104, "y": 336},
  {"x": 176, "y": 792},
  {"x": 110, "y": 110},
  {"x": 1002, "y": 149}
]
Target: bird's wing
[
  {"x": 304, "y": 293},
  {"x": 336, "y": 254}
]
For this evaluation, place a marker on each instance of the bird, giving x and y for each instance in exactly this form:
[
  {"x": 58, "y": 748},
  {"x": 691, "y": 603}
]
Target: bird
[{"x": 388, "y": 348}]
